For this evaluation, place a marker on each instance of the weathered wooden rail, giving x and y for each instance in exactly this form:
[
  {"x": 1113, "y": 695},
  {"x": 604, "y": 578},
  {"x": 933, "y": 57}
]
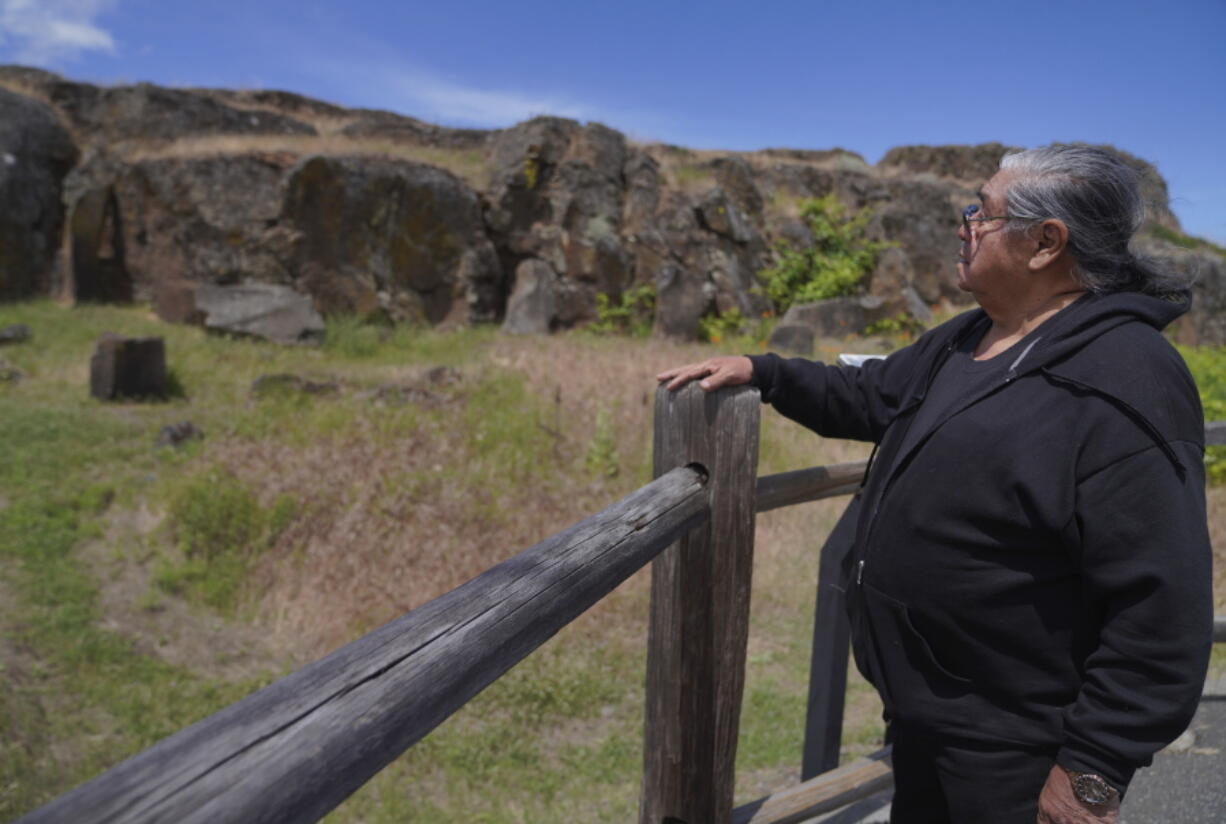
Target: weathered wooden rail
[{"x": 294, "y": 750}]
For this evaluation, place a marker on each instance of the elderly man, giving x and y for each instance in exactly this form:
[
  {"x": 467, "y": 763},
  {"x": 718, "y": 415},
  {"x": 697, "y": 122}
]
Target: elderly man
[{"x": 1030, "y": 585}]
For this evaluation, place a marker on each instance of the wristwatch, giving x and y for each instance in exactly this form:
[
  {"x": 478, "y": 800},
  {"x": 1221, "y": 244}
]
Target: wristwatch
[{"x": 1092, "y": 789}]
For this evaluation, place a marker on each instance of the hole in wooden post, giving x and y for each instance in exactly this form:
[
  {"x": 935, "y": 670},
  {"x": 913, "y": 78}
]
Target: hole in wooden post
[{"x": 704, "y": 476}]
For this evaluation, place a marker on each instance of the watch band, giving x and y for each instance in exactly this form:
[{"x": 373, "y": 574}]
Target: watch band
[{"x": 1092, "y": 789}]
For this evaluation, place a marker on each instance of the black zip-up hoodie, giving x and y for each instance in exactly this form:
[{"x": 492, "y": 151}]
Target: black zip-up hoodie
[{"x": 1036, "y": 569}]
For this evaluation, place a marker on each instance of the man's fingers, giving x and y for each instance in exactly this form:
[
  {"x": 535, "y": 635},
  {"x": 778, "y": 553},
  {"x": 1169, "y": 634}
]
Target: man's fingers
[
  {"x": 689, "y": 374},
  {"x": 718, "y": 373},
  {"x": 681, "y": 375}
]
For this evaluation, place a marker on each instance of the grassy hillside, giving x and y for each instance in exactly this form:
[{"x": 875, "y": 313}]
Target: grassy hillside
[{"x": 143, "y": 587}]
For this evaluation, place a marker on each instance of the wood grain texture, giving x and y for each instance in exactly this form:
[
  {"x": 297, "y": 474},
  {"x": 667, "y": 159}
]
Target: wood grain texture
[
  {"x": 294, "y": 750},
  {"x": 831, "y": 644},
  {"x": 826, "y": 793},
  {"x": 803, "y": 485},
  {"x": 700, "y": 611}
]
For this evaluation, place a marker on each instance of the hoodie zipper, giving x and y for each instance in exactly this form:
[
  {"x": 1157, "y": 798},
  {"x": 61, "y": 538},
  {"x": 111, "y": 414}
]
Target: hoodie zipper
[
  {"x": 872, "y": 520},
  {"x": 1010, "y": 375}
]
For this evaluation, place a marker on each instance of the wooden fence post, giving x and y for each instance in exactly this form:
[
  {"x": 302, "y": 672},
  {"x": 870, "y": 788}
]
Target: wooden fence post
[
  {"x": 700, "y": 611},
  {"x": 831, "y": 642}
]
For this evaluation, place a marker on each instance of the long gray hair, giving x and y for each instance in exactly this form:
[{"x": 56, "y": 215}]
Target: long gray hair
[{"x": 1097, "y": 197}]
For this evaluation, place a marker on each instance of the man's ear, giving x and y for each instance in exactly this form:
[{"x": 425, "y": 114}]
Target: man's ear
[{"x": 1050, "y": 242}]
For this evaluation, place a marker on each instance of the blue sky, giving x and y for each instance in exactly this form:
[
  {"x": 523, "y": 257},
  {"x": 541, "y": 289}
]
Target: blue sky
[{"x": 1148, "y": 77}]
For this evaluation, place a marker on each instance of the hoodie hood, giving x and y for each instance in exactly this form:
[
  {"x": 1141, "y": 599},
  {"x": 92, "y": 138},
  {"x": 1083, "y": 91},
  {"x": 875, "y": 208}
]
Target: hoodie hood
[
  {"x": 1106, "y": 344},
  {"x": 1092, "y": 316}
]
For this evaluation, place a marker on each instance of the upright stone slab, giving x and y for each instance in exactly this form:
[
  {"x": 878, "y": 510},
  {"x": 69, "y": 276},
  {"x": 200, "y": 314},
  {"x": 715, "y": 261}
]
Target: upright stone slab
[{"x": 128, "y": 368}]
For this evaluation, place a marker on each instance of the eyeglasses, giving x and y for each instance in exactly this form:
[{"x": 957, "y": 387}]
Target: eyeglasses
[{"x": 970, "y": 215}]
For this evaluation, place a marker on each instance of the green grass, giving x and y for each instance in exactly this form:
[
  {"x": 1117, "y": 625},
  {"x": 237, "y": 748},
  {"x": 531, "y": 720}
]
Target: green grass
[
  {"x": 219, "y": 528},
  {"x": 58, "y": 470},
  {"x": 64, "y": 459}
]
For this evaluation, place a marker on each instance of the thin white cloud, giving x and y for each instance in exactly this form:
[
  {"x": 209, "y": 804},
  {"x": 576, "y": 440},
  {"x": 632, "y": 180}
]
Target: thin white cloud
[
  {"x": 44, "y": 32},
  {"x": 440, "y": 100},
  {"x": 383, "y": 78}
]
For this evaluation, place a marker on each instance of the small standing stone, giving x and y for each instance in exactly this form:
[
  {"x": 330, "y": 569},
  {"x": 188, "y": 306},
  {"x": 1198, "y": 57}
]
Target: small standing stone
[{"x": 128, "y": 368}]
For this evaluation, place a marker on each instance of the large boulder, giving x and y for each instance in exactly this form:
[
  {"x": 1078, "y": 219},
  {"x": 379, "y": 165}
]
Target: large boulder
[
  {"x": 836, "y": 317},
  {"x": 36, "y": 152},
  {"x": 411, "y": 234},
  {"x": 208, "y": 219},
  {"x": 261, "y": 310},
  {"x": 556, "y": 194}
]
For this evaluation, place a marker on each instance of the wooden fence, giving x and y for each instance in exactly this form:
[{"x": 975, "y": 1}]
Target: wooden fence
[{"x": 294, "y": 750}]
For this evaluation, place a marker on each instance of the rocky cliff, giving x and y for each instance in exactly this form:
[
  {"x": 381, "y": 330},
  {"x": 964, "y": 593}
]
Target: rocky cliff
[{"x": 141, "y": 192}]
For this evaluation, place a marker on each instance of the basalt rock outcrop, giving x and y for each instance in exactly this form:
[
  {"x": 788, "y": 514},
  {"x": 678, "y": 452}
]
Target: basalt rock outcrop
[
  {"x": 403, "y": 237},
  {"x": 146, "y": 193},
  {"x": 36, "y": 153}
]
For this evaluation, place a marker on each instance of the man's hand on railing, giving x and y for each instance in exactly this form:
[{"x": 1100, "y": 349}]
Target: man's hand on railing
[{"x": 726, "y": 370}]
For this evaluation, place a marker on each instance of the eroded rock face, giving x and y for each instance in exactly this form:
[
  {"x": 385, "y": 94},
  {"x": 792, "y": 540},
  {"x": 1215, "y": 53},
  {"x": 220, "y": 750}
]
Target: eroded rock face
[
  {"x": 556, "y": 195},
  {"x": 97, "y": 267},
  {"x": 155, "y": 114},
  {"x": 409, "y": 234},
  {"x": 213, "y": 219},
  {"x": 569, "y": 212},
  {"x": 36, "y": 153}
]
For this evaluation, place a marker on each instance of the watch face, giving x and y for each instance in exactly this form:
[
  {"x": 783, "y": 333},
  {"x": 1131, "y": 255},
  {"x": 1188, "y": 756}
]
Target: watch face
[{"x": 1092, "y": 789}]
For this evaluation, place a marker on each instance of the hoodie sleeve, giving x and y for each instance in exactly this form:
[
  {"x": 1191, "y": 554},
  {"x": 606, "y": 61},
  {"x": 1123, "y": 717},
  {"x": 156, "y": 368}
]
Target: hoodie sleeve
[
  {"x": 839, "y": 401},
  {"x": 1146, "y": 566}
]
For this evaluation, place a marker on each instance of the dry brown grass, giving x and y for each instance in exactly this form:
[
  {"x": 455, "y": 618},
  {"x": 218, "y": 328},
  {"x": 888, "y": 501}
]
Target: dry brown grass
[
  {"x": 468, "y": 164},
  {"x": 1216, "y": 506}
]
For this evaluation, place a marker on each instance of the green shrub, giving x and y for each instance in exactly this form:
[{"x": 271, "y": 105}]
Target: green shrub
[
  {"x": 219, "y": 528},
  {"x": 632, "y": 314},
  {"x": 1208, "y": 365},
  {"x": 716, "y": 328},
  {"x": 352, "y": 337},
  {"x": 836, "y": 264},
  {"x": 901, "y": 326}
]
